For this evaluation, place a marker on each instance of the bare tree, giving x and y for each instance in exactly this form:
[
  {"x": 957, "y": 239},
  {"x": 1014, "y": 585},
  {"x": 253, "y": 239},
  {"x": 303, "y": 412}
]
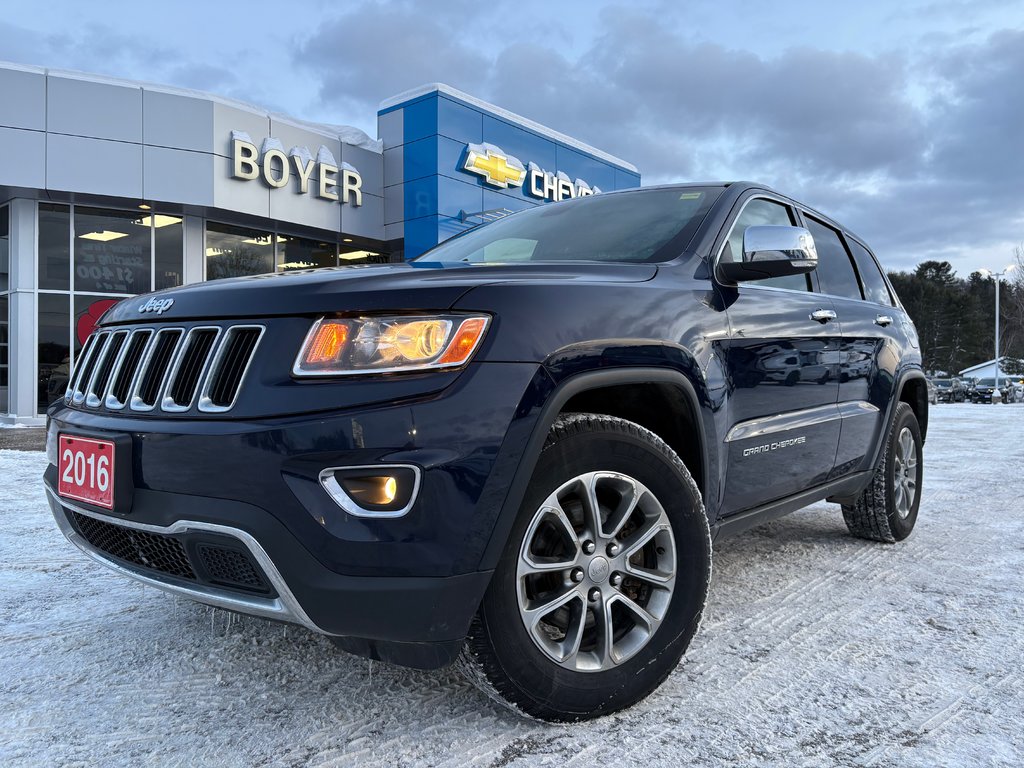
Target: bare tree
[{"x": 1014, "y": 314}]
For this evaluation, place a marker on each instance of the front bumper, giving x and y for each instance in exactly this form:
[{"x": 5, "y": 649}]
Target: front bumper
[{"x": 403, "y": 590}]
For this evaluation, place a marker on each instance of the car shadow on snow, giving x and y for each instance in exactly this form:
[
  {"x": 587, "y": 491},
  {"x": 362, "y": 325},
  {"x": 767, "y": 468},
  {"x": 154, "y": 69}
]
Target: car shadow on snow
[{"x": 209, "y": 670}]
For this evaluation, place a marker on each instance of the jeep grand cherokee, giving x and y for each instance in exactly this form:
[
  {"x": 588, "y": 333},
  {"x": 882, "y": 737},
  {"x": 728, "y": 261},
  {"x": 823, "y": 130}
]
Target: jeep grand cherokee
[{"x": 514, "y": 451}]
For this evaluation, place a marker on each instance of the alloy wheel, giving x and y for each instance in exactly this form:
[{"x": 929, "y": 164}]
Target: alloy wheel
[
  {"x": 596, "y": 571},
  {"x": 905, "y": 473}
]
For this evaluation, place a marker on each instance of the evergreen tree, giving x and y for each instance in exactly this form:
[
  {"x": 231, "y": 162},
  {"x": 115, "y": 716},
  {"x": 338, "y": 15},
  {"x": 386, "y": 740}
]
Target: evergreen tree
[{"x": 955, "y": 317}]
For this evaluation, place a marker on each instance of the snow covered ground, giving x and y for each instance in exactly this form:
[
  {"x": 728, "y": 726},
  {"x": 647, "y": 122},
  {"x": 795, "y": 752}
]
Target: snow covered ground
[{"x": 817, "y": 649}]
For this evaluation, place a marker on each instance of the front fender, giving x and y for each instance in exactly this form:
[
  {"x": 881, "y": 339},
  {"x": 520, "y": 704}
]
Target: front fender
[{"x": 550, "y": 396}]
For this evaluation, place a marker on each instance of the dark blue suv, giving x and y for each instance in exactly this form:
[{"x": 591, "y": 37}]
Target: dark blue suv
[{"x": 515, "y": 451}]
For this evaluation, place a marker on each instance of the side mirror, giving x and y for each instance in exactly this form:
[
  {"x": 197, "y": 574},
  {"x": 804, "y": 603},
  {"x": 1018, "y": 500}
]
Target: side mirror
[{"x": 772, "y": 252}]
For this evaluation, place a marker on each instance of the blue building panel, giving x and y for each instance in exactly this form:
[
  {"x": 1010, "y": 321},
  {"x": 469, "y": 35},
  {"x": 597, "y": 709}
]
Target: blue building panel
[
  {"x": 455, "y": 196},
  {"x": 449, "y": 227},
  {"x": 420, "y": 119},
  {"x": 626, "y": 179},
  {"x": 576, "y": 165},
  {"x": 439, "y": 128},
  {"x": 521, "y": 143},
  {"x": 420, "y": 197},
  {"x": 451, "y": 156},
  {"x": 419, "y": 159},
  {"x": 458, "y": 121},
  {"x": 420, "y": 236},
  {"x": 494, "y": 200}
]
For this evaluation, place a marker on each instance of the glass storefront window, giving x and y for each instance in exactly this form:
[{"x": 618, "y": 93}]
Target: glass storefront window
[
  {"x": 236, "y": 251},
  {"x": 350, "y": 255},
  {"x": 5, "y": 248},
  {"x": 4, "y": 357},
  {"x": 54, "y": 247},
  {"x": 301, "y": 253},
  {"x": 88, "y": 311},
  {"x": 54, "y": 353},
  {"x": 169, "y": 239},
  {"x": 112, "y": 251}
]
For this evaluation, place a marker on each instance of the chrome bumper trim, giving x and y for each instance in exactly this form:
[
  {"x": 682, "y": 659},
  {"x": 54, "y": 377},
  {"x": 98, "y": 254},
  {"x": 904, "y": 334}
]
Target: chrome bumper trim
[
  {"x": 285, "y": 607},
  {"x": 351, "y": 506}
]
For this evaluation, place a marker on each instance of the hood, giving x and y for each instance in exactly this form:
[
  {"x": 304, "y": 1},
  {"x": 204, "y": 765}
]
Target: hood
[{"x": 416, "y": 286}]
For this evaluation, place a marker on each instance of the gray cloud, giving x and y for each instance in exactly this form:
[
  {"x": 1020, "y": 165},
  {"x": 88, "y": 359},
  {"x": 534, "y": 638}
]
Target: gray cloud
[
  {"x": 916, "y": 146},
  {"x": 916, "y": 149},
  {"x": 204, "y": 77},
  {"x": 91, "y": 48},
  {"x": 377, "y": 50}
]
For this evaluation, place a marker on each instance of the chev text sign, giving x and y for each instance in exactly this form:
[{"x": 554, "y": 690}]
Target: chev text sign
[
  {"x": 336, "y": 182},
  {"x": 503, "y": 170}
]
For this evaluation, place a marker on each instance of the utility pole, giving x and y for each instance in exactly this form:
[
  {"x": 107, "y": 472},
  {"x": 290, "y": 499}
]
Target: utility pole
[{"x": 996, "y": 394}]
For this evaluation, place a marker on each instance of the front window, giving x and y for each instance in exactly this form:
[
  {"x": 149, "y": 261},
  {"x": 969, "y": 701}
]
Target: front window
[
  {"x": 89, "y": 259},
  {"x": 5, "y": 268},
  {"x": 302, "y": 253},
  {"x": 4, "y": 355},
  {"x": 112, "y": 251},
  {"x": 54, "y": 247},
  {"x": 761, "y": 212},
  {"x": 637, "y": 226},
  {"x": 54, "y": 352},
  {"x": 236, "y": 251}
]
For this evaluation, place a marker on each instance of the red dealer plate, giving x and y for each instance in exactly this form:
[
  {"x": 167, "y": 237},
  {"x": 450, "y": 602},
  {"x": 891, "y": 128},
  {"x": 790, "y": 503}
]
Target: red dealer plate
[{"x": 85, "y": 470}]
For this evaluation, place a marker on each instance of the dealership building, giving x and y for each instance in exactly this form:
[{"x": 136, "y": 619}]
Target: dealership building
[{"x": 112, "y": 188}]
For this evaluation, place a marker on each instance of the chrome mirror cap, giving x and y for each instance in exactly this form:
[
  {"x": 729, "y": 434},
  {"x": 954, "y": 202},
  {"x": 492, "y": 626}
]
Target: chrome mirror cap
[
  {"x": 772, "y": 251},
  {"x": 793, "y": 244}
]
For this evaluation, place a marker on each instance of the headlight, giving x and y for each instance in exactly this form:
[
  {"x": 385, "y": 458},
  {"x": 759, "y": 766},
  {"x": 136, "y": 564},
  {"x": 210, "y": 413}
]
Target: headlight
[{"x": 337, "y": 347}]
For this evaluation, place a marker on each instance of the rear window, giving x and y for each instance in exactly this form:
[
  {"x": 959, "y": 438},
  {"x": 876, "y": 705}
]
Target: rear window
[
  {"x": 875, "y": 288},
  {"x": 642, "y": 226},
  {"x": 835, "y": 270}
]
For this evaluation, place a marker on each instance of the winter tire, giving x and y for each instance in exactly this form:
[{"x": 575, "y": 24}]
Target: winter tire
[
  {"x": 603, "y": 580},
  {"x": 887, "y": 509}
]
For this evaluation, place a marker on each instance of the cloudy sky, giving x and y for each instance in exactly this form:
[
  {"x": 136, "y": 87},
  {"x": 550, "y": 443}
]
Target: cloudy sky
[{"x": 903, "y": 120}]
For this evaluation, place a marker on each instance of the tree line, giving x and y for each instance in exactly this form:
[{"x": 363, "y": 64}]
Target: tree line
[{"x": 955, "y": 316}]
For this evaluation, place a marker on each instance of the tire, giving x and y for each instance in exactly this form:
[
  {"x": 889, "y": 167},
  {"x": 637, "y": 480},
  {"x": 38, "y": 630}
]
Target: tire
[
  {"x": 553, "y": 663},
  {"x": 887, "y": 509}
]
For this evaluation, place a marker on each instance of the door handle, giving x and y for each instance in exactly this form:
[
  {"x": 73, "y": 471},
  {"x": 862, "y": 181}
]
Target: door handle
[
  {"x": 823, "y": 315},
  {"x": 883, "y": 320}
]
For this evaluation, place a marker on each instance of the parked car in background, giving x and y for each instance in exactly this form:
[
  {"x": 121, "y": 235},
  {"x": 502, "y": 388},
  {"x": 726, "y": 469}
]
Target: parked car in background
[
  {"x": 950, "y": 390},
  {"x": 982, "y": 390}
]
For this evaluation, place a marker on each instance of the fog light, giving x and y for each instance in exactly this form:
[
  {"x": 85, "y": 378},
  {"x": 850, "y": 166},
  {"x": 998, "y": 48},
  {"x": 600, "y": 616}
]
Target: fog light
[
  {"x": 379, "y": 491},
  {"x": 374, "y": 491}
]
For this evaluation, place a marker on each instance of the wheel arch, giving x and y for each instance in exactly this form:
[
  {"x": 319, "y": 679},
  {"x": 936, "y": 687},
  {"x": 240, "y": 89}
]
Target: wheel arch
[
  {"x": 601, "y": 392},
  {"x": 911, "y": 388},
  {"x": 914, "y": 392}
]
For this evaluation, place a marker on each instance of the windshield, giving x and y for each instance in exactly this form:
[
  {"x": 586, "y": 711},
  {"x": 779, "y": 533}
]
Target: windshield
[
  {"x": 641, "y": 226},
  {"x": 943, "y": 383},
  {"x": 986, "y": 382}
]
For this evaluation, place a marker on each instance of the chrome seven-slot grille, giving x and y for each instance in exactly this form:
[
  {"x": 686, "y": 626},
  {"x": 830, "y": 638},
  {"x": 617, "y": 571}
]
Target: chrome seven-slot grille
[{"x": 167, "y": 369}]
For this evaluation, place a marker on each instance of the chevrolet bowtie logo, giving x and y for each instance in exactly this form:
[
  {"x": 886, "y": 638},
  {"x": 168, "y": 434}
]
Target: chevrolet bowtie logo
[{"x": 497, "y": 168}]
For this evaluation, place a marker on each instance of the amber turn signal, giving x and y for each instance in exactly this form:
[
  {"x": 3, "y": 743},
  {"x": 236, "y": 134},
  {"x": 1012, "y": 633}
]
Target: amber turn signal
[
  {"x": 327, "y": 343},
  {"x": 465, "y": 341}
]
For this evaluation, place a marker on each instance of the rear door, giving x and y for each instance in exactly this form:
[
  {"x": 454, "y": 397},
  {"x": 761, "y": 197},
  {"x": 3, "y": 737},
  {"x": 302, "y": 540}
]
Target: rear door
[
  {"x": 870, "y": 352},
  {"x": 783, "y": 368}
]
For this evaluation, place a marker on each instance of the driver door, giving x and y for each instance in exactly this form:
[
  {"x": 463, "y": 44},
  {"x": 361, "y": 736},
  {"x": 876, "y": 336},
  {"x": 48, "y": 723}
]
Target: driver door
[{"x": 782, "y": 360}]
